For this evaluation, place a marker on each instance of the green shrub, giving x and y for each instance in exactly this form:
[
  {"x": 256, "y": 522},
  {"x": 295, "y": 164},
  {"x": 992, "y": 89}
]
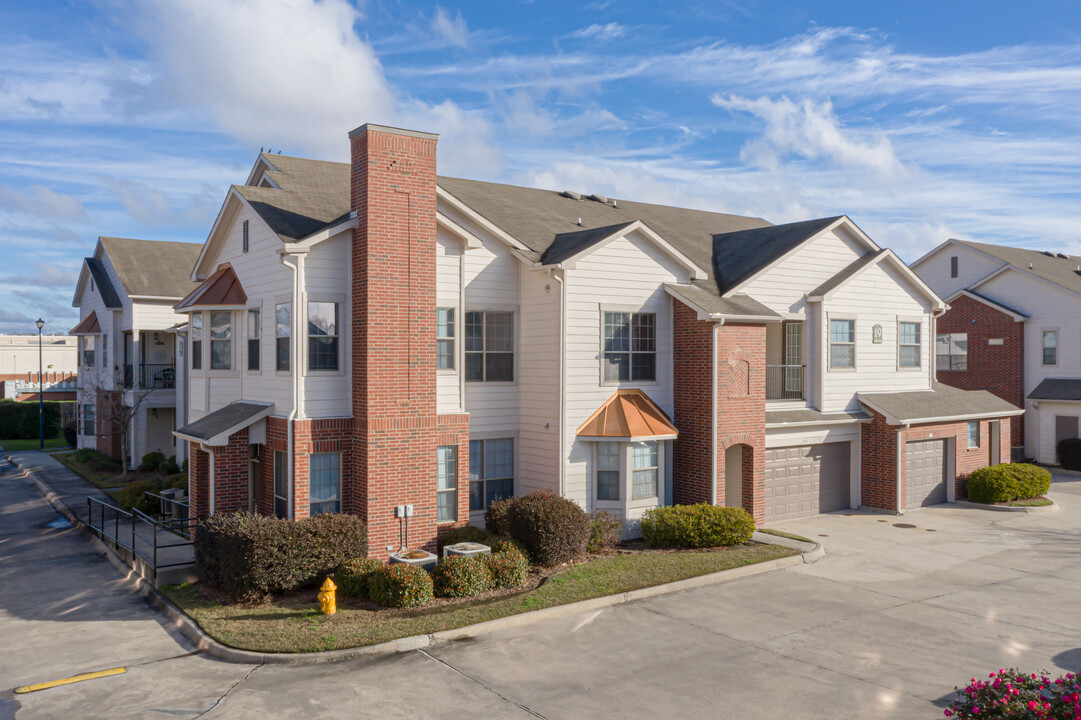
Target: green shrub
[
  {"x": 466, "y": 533},
  {"x": 21, "y": 420},
  {"x": 696, "y": 526},
  {"x": 459, "y": 576},
  {"x": 400, "y": 585},
  {"x": 178, "y": 481},
  {"x": 605, "y": 531},
  {"x": 1006, "y": 482},
  {"x": 354, "y": 576},
  {"x": 503, "y": 543},
  {"x": 88, "y": 456},
  {"x": 508, "y": 567},
  {"x": 170, "y": 467},
  {"x": 1069, "y": 453},
  {"x": 71, "y": 433},
  {"x": 152, "y": 462},
  {"x": 133, "y": 496},
  {"x": 551, "y": 529},
  {"x": 495, "y": 517},
  {"x": 252, "y": 556}
]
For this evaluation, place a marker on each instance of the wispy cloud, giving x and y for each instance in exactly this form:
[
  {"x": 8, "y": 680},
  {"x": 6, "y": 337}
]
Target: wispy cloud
[
  {"x": 41, "y": 201},
  {"x": 597, "y": 31},
  {"x": 452, "y": 29}
]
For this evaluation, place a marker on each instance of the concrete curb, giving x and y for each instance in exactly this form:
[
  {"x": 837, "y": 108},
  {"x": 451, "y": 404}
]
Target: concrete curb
[
  {"x": 182, "y": 622},
  {"x": 1005, "y": 508}
]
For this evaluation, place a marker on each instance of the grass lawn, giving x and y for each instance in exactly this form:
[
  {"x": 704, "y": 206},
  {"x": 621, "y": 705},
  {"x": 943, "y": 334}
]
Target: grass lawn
[
  {"x": 782, "y": 533},
  {"x": 101, "y": 480},
  {"x": 34, "y": 444},
  {"x": 1031, "y": 502},
  {"x": 297, "y": 626}
]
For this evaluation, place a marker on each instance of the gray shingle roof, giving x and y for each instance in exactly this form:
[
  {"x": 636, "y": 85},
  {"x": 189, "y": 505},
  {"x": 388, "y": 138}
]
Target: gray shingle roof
[
  {"x": 807, "y": 416},
  {"x": 156, "y": 268},
  {"x": 994, "y": 303},
  {"x": 1057, "y": 389},
  {"x": 941, "y": 402},
  {"x": 567, "y": 245},
  {"x": 102, "y": 283},
  {"x": 705, "y": 296},
  {"x": 223, "y": 419},
  {"x": 1059, "y": 270},
  {"x": 854, "y": 267},
  {"x": 313, "y": 195},
  {"x": 739, "y": 254}
]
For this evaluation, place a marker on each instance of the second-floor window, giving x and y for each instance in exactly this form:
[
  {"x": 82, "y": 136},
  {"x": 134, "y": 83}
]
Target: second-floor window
[
  {"x": 908, "y": 339},
  {"x": 491, "y": 471},
  {"x": 322, "y": 336},
  {"x": 489, "y": 346},
  {"x": 88, "y": 419},
  {"x": 254, "y": 318},
  {"x": 1050, "y": 347},
  {"x": 630, "y": 346},
  {"x": 282, "y": 320},
  {"x": 105, "y": 350},
  {"x": 197, "y": 341},
  {"x": 88, "y": 350},
  {"x": 444, "y": 338},
  {"x": 842, "y": 343},
  {"x": 221, "y": 340},
  {"x": 951, "y": 351}
]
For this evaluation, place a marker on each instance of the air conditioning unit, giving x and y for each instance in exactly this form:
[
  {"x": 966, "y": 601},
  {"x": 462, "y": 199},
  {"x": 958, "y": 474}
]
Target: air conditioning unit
[
  {"x": 420, "y": 558},
  {"x": 466, "y": 549}
]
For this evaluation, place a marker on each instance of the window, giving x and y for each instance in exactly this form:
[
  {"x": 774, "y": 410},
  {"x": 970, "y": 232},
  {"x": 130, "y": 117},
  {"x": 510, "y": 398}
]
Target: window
[
  {"x": 221, "y": 340},
  {"x": 645, "y": 470},
  {"x": 842, "y": 343},
  {"x": 282, "y": 321},
  {"x": 951, "y": 351},
  {"x": 489, "y": 346},
  {"x": 88, "y": 419},
  {"x": 608, "y": 471},
  {"x": 974, "y": 434},
  {"x": 322, "y": 336},
  {"x": 105, "y": 350},
  {"x": 326, "y": 483},
  {"x": 88, "y": 350},
  {"x": 630, "y": 346},
  {"x": 908, "y": 339},
  {"x": 1050, "y": 347},
  {"x": 254, "y": 317},
  {"x": 444, "y": 338},
  {"x": 491, "y": 472},
  {"x": 446, "y": 489},
  {"x": 196, "y": 341},
  {"x": 245, "y": 236},
  {"x": 281, "y": 484},
  {"x": 953, "y": 266}
]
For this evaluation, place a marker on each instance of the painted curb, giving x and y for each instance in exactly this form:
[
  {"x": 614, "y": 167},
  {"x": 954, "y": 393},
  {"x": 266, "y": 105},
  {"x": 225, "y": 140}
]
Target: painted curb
[
  {"x": 1005, "y": 508},
  {"x": 181, "y": 621}
]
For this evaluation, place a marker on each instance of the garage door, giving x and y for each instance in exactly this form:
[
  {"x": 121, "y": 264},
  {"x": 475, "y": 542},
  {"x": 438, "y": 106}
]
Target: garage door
[
  {"x": 925, "y": 473},
  {"x": 807, "y": 480}
]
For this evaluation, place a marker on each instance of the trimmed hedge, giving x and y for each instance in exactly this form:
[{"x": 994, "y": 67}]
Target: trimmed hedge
[
  {"x": 252, "y": 556},
  {"x": 152, "y": 462},
  {"x": 1006, "y": 482},
  {"x": 353, "y": 578},
  {"x": 96, "y": 461},
  {"x": 495, "y": 517},
  {"x": 460, "y": 576},
  {"x": 508, "y": 567},
  {"x": 605, "y": 531},
  {"x": 1069, "y": 453},
  {"x": 466, "y": 533},
  {"x": 551, "y": 529},
  {"x": 20, "y": 420},
  {"x": 400, "y": 585},
  {"x": 696, "y": 526}
]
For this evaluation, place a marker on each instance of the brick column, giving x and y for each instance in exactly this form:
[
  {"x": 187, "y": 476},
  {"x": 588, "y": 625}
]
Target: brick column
[
  {"x": 741, "y": 409},
  {"x": 198, "y": 481},
  {"x": 692, "y": 366}
]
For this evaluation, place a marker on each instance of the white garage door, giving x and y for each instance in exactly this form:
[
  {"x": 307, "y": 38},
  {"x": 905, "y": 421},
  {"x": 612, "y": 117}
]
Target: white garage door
[
  {"x": 807, "y": 480},
  {"x": 925, "y": 473}
]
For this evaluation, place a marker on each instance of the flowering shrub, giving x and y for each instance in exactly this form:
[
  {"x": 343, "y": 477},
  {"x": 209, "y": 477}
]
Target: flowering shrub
[
  {"x": 1010, "y": 693},
  {"x": 353, "y": 576},
  {"x": 400, "y": 585},
  {"x": 694, "y": 526},
  {"x": 459, "y": 576},
  {"x": 508, "y": 567}
]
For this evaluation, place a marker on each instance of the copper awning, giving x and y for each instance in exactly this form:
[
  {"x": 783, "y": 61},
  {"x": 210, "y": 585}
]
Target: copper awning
[
  {"x": 220, "y": 289},
  {"x": 628, "y": 415},
  {"x": 89, "y": 325}
]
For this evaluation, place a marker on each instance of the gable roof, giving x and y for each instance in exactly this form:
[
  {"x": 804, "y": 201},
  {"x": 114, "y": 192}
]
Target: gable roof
[
  {"x": 215, "y": 427},
  {"x": 566, "y": 245},
  {"x": 152, "y": 268},
  {"x": 738, "y": 255},
  {"x": 1060, "y": 269},
  {"x": 703, "y": 296},
  {"x": 311, "y": 195},
  {"x": 940, "y": 403},
  {"x": 102, "y": 282},
  {"x": 871, "y": 259},
  {"x": 1016, "y": 314},
  {"x": 853, "y": 269},
  {"x": 89, "y": 325},
  {"x": 628, "y": 414},
  {"x": 220, "y": 289}
]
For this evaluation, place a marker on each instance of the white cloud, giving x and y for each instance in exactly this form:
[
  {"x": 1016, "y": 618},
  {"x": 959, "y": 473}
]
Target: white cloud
[
  {"x": 44, "y": 275},
  {"x": 607, "y": 31},
  {"x": 451, "y": 29},
  {"x": 43, "y": 202}
]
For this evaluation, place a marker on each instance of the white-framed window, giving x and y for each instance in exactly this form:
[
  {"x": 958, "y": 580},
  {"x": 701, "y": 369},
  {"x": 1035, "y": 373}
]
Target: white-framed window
[
  {"x": 974, "y": 433},
  {"x": 842, "y": 343},
  {"x": 221, "y": 340},
  {"x": 88, "y": 419},
  {"x": 909, "y": 348},
  {"x": 951, "y": 351},
  {"x": 88, "y": 342},
  {"x": 446, "y": 489},
  {"x": 491, "y": 471},
  {"x": 322, "y": 336},
  {"x": 281, "y": 484},
  {"x": 1050, "y": 347},
  {"x": 254, "y": 333},
  {"x": 489, "y": 346},
  {"x": 630, "y": 346},
  {"x": 282, "y": 329},
  {"x": 196, "y": 341},
  {"x": 325, "y": 483},
  {"x": 608, "y": 470},
  {"x": 645, "y": 467},
  {"x": 444, "y": 338},
  {"x": 105, "y": 350}
]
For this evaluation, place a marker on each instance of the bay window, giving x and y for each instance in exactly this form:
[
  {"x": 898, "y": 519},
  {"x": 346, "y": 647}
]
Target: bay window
[
  {"x": 196, "y": 341},
  {"x": 221, "y": 340}
]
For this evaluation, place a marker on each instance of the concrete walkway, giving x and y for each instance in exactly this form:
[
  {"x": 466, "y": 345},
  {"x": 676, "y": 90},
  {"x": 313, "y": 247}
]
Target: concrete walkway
[{"x": 882, "y": 627}]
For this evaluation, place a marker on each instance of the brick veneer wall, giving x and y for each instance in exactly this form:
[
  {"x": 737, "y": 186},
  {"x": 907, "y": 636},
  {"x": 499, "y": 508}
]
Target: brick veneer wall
[
  {"x": 999, "y": 369},
  {"x": 692, "y": 364},
  {"x": 198, "y": 482},
  {"x": 231, "y": 474}
]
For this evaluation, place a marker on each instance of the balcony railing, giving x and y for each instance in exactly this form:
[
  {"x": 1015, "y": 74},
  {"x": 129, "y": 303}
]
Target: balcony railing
[
  {"x": 155, "y": 376},
  {"x": 786, "y": 382}
]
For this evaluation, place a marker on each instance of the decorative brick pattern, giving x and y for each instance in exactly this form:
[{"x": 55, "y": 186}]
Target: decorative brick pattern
[
  {"x": 999, "y": 369},
  {"x": 741, "y": 411}
]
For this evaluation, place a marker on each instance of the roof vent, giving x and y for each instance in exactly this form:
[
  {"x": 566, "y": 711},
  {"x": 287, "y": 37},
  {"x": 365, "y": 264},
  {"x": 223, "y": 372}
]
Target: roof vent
[
  {"x": 579, "y": 222},
  {"x": 1030, "y": 266},
  {"x": 571, "y": 194},
  {"x": 615, "y": 203},
  {"x": 1064, "y": 256},
  {"x": 598, "y": 198},
  {"x": 1048, "y": 253}
]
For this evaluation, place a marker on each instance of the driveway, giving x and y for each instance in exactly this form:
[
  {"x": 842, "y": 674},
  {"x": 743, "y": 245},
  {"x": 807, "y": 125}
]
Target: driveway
[{"x": 884, "y": 626}]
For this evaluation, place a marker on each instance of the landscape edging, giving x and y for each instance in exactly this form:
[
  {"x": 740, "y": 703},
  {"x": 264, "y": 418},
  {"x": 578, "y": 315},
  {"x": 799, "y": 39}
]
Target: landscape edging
[
  {"x": 1006, "y": 508},
  {"x": 204, "y": 642}
]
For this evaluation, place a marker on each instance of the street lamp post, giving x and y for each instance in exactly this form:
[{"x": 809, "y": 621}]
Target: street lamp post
[{"x": 41, "y": 388}]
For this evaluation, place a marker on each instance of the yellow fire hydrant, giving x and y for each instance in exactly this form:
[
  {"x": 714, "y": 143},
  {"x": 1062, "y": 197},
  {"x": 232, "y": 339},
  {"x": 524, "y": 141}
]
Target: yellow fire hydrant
[{"x": 326, "y": 597}]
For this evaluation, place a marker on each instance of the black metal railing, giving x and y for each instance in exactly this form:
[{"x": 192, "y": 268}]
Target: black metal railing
[
  {"x": 142, "y": 534},
  {"x": 158, "y": 375},
  {"x": 786, "y": 382}
]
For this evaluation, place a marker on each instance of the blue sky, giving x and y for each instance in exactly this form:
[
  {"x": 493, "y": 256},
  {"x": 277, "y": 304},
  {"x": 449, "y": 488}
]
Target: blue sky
[{"x": 923, "y": 121}]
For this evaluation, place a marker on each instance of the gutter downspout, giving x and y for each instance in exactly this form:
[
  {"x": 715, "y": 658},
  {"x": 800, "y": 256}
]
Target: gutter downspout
[
  {"x": 459, "y": 347},
  {"x": 296, "y": 374},
  {"x": 562, "y": 377},
  {"x": 900, "y": 469},
  {"x": 713, "y": 418},
  {"x": 210, "y": 466}
]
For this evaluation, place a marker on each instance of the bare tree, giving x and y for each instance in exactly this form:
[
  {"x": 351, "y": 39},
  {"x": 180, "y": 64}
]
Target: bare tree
[{"x": 119, "y": 407}]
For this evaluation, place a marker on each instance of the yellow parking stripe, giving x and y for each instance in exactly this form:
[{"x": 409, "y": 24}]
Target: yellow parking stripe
[{"x": 70, "y": 680}]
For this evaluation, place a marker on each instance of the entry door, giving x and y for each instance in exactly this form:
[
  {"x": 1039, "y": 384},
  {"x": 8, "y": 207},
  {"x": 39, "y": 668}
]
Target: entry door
[
  {"x": 793, "y": 357},
  {"x": 1065, "y": 429}
]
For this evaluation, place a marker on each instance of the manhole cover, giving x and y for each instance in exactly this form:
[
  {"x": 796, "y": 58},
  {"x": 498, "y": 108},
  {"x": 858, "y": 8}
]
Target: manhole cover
[
  {"x": 59, "y": 523},
  {"x": 904, "y": 525}
]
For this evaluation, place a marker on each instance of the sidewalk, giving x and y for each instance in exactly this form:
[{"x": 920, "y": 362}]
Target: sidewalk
[{"x": 70, "y": 487}]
